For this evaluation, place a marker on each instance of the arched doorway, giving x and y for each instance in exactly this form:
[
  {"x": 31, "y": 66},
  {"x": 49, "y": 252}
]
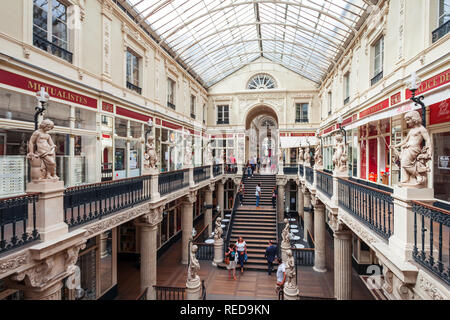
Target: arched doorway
[{"x": 261, "y": 141}]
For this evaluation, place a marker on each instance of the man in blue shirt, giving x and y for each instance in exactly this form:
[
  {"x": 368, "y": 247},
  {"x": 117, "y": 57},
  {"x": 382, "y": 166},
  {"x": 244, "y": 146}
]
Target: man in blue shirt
[{"x": 271, "y": 253}]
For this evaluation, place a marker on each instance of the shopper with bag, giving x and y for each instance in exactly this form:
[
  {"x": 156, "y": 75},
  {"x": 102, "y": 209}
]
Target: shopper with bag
[
  {"x": 242, "y": 252},
  {"x": 231, "y": 259}
]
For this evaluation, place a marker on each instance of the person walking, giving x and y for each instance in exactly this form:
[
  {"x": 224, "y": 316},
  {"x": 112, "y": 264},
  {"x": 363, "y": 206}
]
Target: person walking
[
  {"x": 258, "y": 194},
  {"x": 231, "y": 254},
  {"x": 281, "y": 275},
  {"x": 270, "y": 255},
  {"x": 274, "y": 197},
  {"x": 241, "y": 247},
  {"x": 258, "y": 165},
  {"x": 249, "y": 170},
  {"x": 241, "y": 193}
]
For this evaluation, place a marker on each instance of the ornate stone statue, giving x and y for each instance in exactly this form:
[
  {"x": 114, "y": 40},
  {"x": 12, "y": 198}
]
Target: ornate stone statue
[
  {"x": 41, "y": 153},
  {"x": 340, "y": 155},
  {"x": 290, "y": 270},
  {"x": 188, "y": 149},
  {"x": 307, "y": 157},
  {"x": 318, "y": 156},
  {"x": 414, "y": 157},
  {"x": 150, "y": 156},
  {"x": 301, "y": 155},
  {"x": 194, "y": 266},
  {"x": 218, "y": 230},
  {"x": 285, "y": 234}
]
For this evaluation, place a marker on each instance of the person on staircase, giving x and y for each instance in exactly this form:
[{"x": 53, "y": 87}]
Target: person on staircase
[
  {"x": 249, "y": 170},
  {"x": 274, "y": 197},
  {"x": 232, "y": 255},
  {"x": 242, "y": 252},
  {"x": 270, "y": 255},
  {"x": 241, "y": 193},
  {"x": 258, "y": 194}
]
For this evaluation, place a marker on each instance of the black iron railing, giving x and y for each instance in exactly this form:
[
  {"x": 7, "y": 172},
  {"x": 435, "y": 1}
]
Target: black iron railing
[
  {"x": 203, "y": 290},
  {"x": 372, "y": 184},
  {"x": 325, "y": 183},
  {"x": 170, "y": 293},
  {"x": 371, "y": 206},
  {"x": 134, "y": 87},
  {"x": 18, "y": 221},
  {"x": 441, "y": 31},
  {"x": 217, "y": 170},
  {"x": 172, "y": 181},
  {"x": 171, "y": 105},
  {"x": 85, "y": 203},
  {"x": 301, "y": 170},
  {"x": 431, "y": 238},
  {"x": 229, "y": 228},
  {"x": 231, "y": 168},
  {"x": 205, "y": 251},
  {"x": 107, "y": 171},
  {"x": 377, "y": 78},
  {"x": 46, "y": 45},
  {"x": 303, "y": 256},
  {"x": 202, "y": 173},
  {"x": 309, "y": 175},
  {"x": 290, "y": 169},
  {"x": 142, "y": 295}
]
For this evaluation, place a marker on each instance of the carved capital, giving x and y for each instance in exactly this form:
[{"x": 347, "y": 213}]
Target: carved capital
[
  {"x": 190, "y": 198},
  {"x": 37, "y": 276},
  {"x": 71, "y": 255},
  {"x": 281, "y": 181},
  {"x": 210, "y": 187},
  {"x": 237, "y": 180},
  {"x": 152, "y": 218}
]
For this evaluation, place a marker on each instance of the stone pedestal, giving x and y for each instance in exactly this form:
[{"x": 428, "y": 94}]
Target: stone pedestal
[
  {"x": 218, "y": 252},
  {"x": 402, "y": 241},
  {"x": 239, "y": 169},
  {"x": 284, "y": 248},
  {"x": 154, "y": 182},
  {"x": 290, "y": 293},
  {"x": 343, "y": 264},
  {"x": 336, "y": 175},
  {"x": 49, "y": 209},
  {"x": 319, "y": 238},
  {"x": 191, "y": 177},
  {"x": 194, "y": 289}
]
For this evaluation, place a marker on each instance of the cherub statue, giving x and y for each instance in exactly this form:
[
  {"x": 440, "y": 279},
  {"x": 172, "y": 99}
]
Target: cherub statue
[
  {"x": 300, "y": 155},
  {"x": 307, "y": 157},
  {"x": 285, "y": 234},
  {"x": 414, "y": 157},
  {"x": 207, "y": 153},
  {"x": 318, "y": 155},
  {"x": 218, "y": 230},
  {"x": 290, "y": 270},
  {"x": 41, "y": 153},
  {"x": 188, "y": 149},
  {"x": 340, "y": 156},
  {"x": 150, "y": 154},
  {"x": 194, "y": 266}
]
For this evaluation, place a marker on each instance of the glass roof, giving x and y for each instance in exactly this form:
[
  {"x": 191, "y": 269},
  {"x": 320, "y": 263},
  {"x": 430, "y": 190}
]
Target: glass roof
[{"x": 214, "y": 38}]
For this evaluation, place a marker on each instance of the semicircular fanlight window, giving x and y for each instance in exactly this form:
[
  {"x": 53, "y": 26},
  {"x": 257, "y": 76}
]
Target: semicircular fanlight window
[{"x": 261, "y": 81}]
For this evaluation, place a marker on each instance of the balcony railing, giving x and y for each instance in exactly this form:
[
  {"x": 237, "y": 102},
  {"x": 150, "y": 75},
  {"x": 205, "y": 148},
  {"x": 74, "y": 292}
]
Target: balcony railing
[
  {"x": 170, "y": 293},
  {"x": 290, "y": 169},
  {"x": 441, "y": 31},
  {"x": 202, "y": 173},
  {"x": 170, "y": 105},
  {"x": 303, "y": 256},
  {"x": 205, "y": 251},
  {"x": 431, "y": 239},
  {"x": 134, "y": 87},
  {"x": 231, "y": 168},
  {"x": 371, "y": 206},
  {"x": 107, "y": 172},
  {"x": 377, "y": 78},
  {"x": 46, "y": 45},
  {"x": 172, "y": 181},
  {"x": 309, "y": 175},
  {"x": 301, "y": 120},
  {"x": 325, "y": 183},
  {"x": 85, "y": 203},
  {"x": 18, "y": 221},
  {"x": 301, "y": 170},
  {"x": 217, "y": 169}
]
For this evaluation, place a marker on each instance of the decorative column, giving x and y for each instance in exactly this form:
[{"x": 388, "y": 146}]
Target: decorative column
[
  {"x": 220, "y": 196},
  {"x": 186, "y": 225},
  {"x": 319, "y": 236},
  {"x": 208, "y": 212},
  {"x": 148, "y": 224},
  {"x": 103, "y": 244},
  {"x": 281, "y": 182},
  {"x": 342, "y": 263},
  {"x": 307, "y": 215},
  {"x": 300, "y": 198}
]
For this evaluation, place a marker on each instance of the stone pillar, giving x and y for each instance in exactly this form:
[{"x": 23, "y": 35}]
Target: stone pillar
[
  {"x": 49, "y": 208},
  {"x": 191, "y": 177},
  {"x": 319, "y": 237},
  {"x": 343, "y": 264},
  {"x": 220, "y": 195},
  {"x": 148, "y": 224},
  {"x": 336, "y": 176},
  {"x": 300, "y": 199},
  {"x": 186, "y": 225},
  {"x": 218, "y": 252},
  {"x": 53, "y": 292},
  {"x": 193, "y": 289},
  {"x": 208, "y": 212},
  {"x": 280, "y": 199},
  {"x": 307, "y": 215},
  {"x": 103, "y": 244},
  {"x": 154, "y": 183}
]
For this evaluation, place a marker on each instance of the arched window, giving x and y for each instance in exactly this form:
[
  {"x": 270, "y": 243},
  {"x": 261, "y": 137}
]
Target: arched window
[{"x": 261, "y": 81}]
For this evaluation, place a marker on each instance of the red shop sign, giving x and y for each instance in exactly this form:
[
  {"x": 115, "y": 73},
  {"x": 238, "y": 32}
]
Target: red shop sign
[
  {"x": 107, "y": 107},
  {"x": 132, "y": 114},
  {"x": 396, "y": 98},
  {"x": 328, "y": 129},
  {"x": 375, "y": 108},
  {"x": 29, "y": 84},
  {"x": 440, "y": 112},
  {"x": 303, "y": 134},
  {"x": 433, "y": 82}
]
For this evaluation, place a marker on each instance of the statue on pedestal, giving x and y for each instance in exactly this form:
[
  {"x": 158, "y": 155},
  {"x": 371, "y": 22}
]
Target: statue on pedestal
[
  {"x": 340, "y": 155},
  {"x": 300, "y": 155},
  {"x": 150, "y": 156},
  {"x": 207, "y": 153},
  {"x": 188, "y": 149},
  {"x": 286, "y": 242},
  {"x": 218, "y": 230},
  {"x": 318, "y": 156},
  {"x": 414, "y": 157},
  {"x": 290, "y": 270},
  {"x": 41, "y": 153},
  {"x": 194, "y": 266},
  {"x": 307, "y": 157}
]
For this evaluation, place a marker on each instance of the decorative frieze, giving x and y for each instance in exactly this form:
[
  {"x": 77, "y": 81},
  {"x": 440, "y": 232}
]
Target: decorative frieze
[{"x": 13, "y": 262}]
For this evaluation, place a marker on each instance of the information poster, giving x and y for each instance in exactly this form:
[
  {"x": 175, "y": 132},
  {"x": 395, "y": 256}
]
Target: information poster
[
  {"x": 444, "y": 162},
  {"x": 12, "y": 175}
]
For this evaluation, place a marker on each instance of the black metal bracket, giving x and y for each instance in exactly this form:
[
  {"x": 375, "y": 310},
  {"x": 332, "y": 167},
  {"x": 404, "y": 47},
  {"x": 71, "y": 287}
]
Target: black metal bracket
[
  {"x": 418, "y": 100},
  {"x": 39, "y": 110}
]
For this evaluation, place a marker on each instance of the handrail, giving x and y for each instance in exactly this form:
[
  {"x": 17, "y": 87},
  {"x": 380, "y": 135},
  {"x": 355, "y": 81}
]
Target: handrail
[
  {"x": 169, "y": 292},
  {"x": 230, "y": 224},
  {"x": 312, "y": 238},
  {"x": 28, "y": 194},
  {"x": 364, "y": 186},
  {"x": 431, "y": 207},
  {"x": 142, "y": 295},
  {"x": 200, "y": 233}
]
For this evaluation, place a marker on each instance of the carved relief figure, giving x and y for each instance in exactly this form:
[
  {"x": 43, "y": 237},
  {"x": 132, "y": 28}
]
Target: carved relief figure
[
  {"x": 41, "y": 153},
  {"x": 188, "y": 149},
  {"x": 194, "y": 266},
  {"x": 150, "y": 156},
  {"x": 318, "y": 155},
  {"x": 414, "y": 157},
  {"x": 218, "y": 230},
  {"x": 207, "y": 154},
  {"x": 290, "y": 270},
  {"x": 340, "y": 156},
  {"x": 307, "y": 157},
  {"x": 300, "y": 155},
  {"x": 285, "y": 234}
]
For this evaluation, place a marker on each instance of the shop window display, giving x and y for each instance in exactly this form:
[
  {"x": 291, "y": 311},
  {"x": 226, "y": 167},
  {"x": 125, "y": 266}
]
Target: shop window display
[
  {"x": 135, "y": 159},
  {"x": 120, "y": 127},
  {"x": 441, "y": 165}
]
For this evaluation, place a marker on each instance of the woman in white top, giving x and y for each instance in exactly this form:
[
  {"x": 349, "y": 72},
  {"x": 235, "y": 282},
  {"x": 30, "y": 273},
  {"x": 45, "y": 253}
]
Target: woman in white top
[{"x": 241, "y": 247}]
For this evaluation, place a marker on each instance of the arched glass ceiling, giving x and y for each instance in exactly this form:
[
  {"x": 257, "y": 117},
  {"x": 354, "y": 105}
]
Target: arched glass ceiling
[{"x": 214, "y": 38}]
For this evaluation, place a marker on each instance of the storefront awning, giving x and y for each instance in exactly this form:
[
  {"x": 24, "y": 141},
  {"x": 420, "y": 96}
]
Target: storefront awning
[
  {"x": 297, "y": 142},
  {"x": 430, "y": 97}
]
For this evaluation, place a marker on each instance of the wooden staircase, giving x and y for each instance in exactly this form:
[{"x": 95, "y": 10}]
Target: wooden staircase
[{"x": 256, "y": 225}]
